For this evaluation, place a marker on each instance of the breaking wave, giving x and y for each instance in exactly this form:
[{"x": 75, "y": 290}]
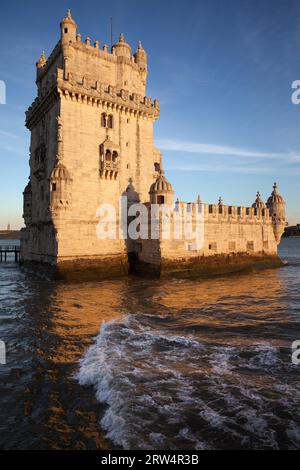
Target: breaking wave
[{"x": 167, "y": 389}]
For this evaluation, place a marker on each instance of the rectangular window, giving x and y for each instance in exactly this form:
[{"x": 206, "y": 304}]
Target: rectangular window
[
  {"x": 212, "y": 246},
  {"x": 239, "y": 211},
  {"x": 210, "y": 209},
  {"x": 247, "y": 210},
  {"x": 230, "y": 210}
]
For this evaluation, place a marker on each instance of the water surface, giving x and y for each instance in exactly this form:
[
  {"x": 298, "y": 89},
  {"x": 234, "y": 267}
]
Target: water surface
[{"x": 161, "y": 364}]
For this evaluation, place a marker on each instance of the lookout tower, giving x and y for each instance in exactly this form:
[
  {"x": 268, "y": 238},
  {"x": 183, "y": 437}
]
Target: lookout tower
[
  {"x": 68, "y": 29},
  {"x": 91, "y": 128}
]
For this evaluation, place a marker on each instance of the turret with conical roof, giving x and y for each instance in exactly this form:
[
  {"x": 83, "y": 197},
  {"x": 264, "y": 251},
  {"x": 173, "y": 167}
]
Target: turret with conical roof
[
  {"x": 276, "y": 205},
  {"x": 140, "y": 57},
  {"x": 42, "y": 61},
  {"x": 68, "y": 28}
]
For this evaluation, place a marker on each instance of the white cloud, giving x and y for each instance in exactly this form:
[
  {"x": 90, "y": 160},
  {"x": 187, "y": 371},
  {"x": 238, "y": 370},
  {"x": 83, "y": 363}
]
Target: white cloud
[
  {"x": 224, "y": 150},
  {"x": 9, "y": 135}
]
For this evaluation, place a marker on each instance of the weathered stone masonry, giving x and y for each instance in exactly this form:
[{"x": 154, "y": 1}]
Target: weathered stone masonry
[{"x": 91, "y": 142}]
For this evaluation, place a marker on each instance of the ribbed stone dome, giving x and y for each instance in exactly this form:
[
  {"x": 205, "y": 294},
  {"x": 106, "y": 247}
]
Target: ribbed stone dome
[
  {"x": 60, "y": 172},
  {"x": 161, "y": 184},
  {"x": 275, "y": 197},
  {"x": 122, "y": 48},
  {"x": 259, "y": 203}
]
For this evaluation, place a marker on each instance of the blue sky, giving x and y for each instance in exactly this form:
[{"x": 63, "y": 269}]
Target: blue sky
[{"x": 221, "y": 69}]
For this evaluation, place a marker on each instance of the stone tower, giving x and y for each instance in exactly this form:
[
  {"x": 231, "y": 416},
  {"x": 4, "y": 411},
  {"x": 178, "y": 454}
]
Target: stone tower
[
  {"x": 91, "y": 144},
  {"x": 91, "y": 135}
]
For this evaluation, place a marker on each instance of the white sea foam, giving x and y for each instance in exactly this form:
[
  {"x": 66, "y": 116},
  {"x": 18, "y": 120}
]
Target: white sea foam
[{"x": 170, "y": 391}]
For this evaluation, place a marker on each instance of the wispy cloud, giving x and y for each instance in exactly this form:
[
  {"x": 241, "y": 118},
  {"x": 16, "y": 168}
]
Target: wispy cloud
[
  {"x": 8, "y": 148},
  {"x": 227, "y": 151},
  {"x": 247, "y": 169},
  {"x": 9, "y": 135}
]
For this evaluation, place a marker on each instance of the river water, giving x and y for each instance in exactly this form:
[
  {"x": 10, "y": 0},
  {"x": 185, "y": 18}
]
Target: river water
[{"x": 151, "y": 364}]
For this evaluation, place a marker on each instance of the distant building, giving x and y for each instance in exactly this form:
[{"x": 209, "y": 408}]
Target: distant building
[
  {"x": 8, "y": 227},
  {"x": 292, "y": 231},
  {"x": 91, "y": 142}
]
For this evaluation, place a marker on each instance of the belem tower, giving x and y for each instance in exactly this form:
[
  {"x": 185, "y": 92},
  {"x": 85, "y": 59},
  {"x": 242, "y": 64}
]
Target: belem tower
[{"x": 91, "y": 143}]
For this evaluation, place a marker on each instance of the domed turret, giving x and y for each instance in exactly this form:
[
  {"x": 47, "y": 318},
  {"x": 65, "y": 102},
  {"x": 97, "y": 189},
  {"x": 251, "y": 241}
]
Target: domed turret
[
  {"x": 60, "y": 181},
  {"x": 275, "y": 197},
  {"x": 59, "y": 172},
  {"x": 68, "y": 29},
  {"x": 27, "y": 204},
  {"x": 121, "y": 48},
  {"x": 140, "y": 56},
  {"x": 161, "y": 191},
  {"x": 259, "y": 203},
  {"x": 276, "y": 205}
]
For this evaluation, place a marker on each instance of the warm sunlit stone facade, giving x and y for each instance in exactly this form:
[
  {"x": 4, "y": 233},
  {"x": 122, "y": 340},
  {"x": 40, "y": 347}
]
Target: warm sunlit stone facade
[{"x": 92, "y": 142}]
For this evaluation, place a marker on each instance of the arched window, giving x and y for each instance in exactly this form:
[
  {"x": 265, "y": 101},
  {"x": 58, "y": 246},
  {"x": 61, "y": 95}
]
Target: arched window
[
  {"x": 156, "y": 167},
  {"x": 110, "y": 121},
  {"x": 108, "y": 155},
  {"x": 114, "y": 156},
  {"x": 160, "y": 199},
  {"x": 103, "y": 120}
]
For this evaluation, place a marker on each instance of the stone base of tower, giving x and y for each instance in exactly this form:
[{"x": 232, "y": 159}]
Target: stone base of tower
[
  {"x": 81, "y": 269},
  {"x": 206, "y": 266}
]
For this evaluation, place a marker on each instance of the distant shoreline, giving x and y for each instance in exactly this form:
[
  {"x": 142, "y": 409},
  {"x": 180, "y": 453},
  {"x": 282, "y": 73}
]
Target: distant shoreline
[{"x": 10, "y": 234}]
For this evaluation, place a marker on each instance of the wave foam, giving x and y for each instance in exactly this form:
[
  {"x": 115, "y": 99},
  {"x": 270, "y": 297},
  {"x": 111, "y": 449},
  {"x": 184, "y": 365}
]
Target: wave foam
[{"x": 168, "y": 391}]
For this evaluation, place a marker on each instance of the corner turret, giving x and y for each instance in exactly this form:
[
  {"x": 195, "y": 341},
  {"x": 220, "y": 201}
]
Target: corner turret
[
  {"x": 68, "y": 29},
  {"x": 276, "y": 205},
  {"x": 42, "y": 61},
  {"x": 140, "y": 57}
]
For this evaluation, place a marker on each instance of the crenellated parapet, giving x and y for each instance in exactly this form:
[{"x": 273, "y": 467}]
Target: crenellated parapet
[
  {"x": 83, "y": 89},
  {"x": 224, "y": 213},
  {"x": 93, "y": 93}
]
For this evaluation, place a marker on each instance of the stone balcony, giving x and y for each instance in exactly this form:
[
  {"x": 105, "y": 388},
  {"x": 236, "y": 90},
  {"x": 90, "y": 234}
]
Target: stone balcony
[{"x": 109, "y": 169}]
